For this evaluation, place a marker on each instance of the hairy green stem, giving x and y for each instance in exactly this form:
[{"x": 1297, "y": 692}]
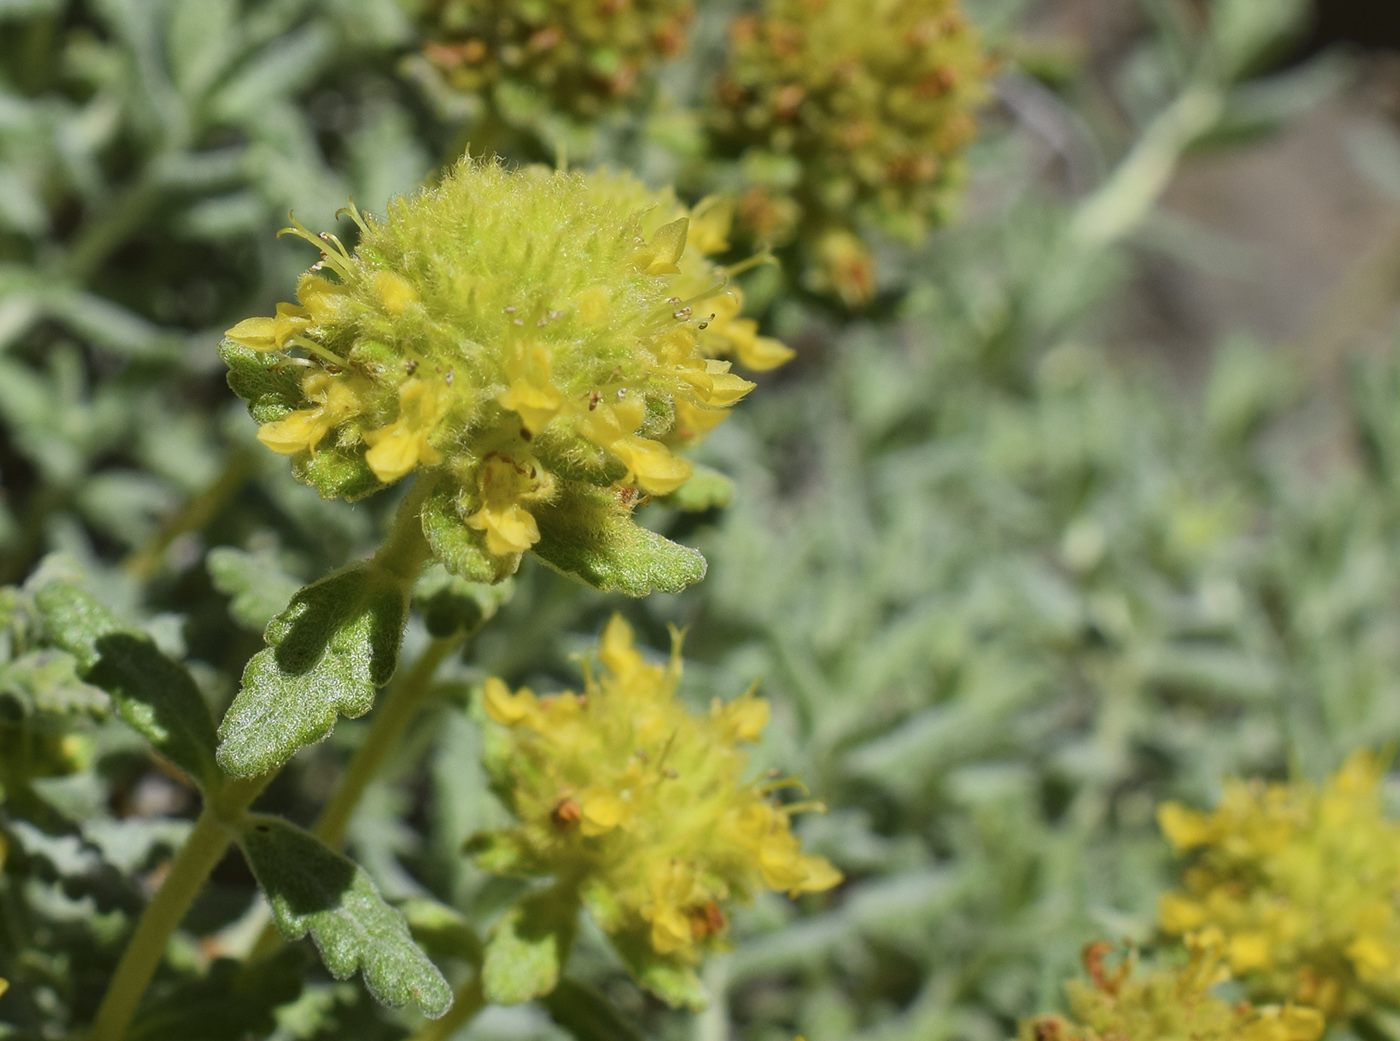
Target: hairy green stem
[
  {"x": 399, "y": 709},
  {"x": 200, "y": 854},
  {"x": 468, "y": 1001},
  {"x": 406, "y": 551}
]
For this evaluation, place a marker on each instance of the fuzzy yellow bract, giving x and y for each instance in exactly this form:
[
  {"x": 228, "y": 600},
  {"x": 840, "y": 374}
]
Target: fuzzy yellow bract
[
  {"x": 1303, "y": 882},
  {"x": 649, "y": 809},
  {"x": 519, "y": 335},
  {"x": 1169, "y": 1004},
  {"x": 849, "y": 114},
  {"x": 583, "y": 56}
]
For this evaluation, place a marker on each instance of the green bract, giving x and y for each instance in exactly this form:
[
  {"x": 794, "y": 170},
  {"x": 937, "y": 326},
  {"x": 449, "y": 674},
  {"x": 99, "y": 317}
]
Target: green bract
[{"x": 536, "y": 343}]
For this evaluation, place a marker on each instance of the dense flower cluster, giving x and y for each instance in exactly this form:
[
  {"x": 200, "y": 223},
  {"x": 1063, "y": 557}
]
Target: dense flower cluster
[
  {"x": 1302, "y": 881},
  {"x": 646, "y": 807},
  {"x": 537, "y": 344},
  {"x": 1170, "y": 1004},
  {"x": 584, "y": 55},
  {"x": 849, "y": 114}
]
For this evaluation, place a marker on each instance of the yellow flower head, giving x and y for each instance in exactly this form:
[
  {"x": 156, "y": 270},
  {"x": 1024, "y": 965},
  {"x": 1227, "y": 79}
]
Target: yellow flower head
[
  {"x": 1169, "y": 1004},
  {"x": 538, "y": 344},
  {"x": 1303, "y": 883},
  {"x": 580, "y": 56},
  {"x": 848, "y": 114},
  {"x": 649, "y": 809}
]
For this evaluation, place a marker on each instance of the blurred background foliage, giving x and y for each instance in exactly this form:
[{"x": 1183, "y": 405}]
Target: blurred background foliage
[{"x": 1095, "y": 504}]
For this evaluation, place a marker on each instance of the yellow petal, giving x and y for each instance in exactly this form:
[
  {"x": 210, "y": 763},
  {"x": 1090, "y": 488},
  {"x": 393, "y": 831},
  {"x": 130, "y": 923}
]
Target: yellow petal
[
  {"x": 509, "y": 528},
  {"x": 298, "y": 432},
  {"x": 504, "y": 707},
  {"x": 1185, "y": 829},
  {"x": 710, "y": 222},
  {"x": 651, "y": 463},
  {"x": 602, "y": 812},
  {"x": 763, "y": 353},
  {"x": 394, "y": 452},
  {"x": 257, "y": 334},
  {"x": 660, "y": 255},
  {"x": 616, "y": 649}
]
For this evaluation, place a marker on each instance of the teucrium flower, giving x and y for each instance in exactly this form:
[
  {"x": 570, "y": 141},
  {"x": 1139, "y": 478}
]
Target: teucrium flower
[
  {"x": 846, "y": 115},
  {"x": 1168, "y": 1004},
  {"x": 1303, "y": 881},
  {"x": 581, "y": 55},
  {"x": 539, "y": 345},
  {"x": 648, "y": 812}
]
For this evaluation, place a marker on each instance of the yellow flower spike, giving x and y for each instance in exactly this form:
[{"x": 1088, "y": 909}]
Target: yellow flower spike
[
  {"x": 651, "y": 810},
  {"x": 4, "y": 986},
  {"x": 531, "y": 396},
  {"x": 270, "y": 334},
  {"x": 1168, "y": 1003},
  {"x": 540, "y": 314},
  {"x": 402, "y": 446},
  {"x": 1302, "y": 881}
]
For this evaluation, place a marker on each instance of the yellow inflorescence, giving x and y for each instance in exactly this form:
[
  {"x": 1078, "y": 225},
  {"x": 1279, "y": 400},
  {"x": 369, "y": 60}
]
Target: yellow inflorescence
[
  {"x": 850, "y": 114},
  {"x": 648, "y": 806},
  {"x": 524, "y": 336},
  {"x": 1302, "y": 881},
  {"x": 1173, "y": 1004},
  {"x": 582, "y": 55}
]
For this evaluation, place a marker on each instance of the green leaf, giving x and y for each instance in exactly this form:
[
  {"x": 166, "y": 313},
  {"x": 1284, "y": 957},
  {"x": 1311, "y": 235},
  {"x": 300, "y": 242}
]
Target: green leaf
[
  {"x": 585, "y": 534},
  {"x": 264, "y": 380},
  {"x": 255, "y": 582},
  {"x": 337, "y": 473},
  {"x": 327, "y": 652},
  {"x": 587, "y": 1015},
  {"x": 462, "y": 550},
  {"x": 153, "y": 694},
  {"x": 47, "y": 681},
  {"x": 707, "y": 489},
  {"x": 527, "y": 949},
  {"x": 312, "y": 889}
]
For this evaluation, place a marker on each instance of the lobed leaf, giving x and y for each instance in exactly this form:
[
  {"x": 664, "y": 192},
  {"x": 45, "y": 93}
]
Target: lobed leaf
[
  {"x": 313, "y": 889},
  {"x": 153, "y": 694},
  {"x": 327, "y": 652},
  {"x": 585, "y": 535}
]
